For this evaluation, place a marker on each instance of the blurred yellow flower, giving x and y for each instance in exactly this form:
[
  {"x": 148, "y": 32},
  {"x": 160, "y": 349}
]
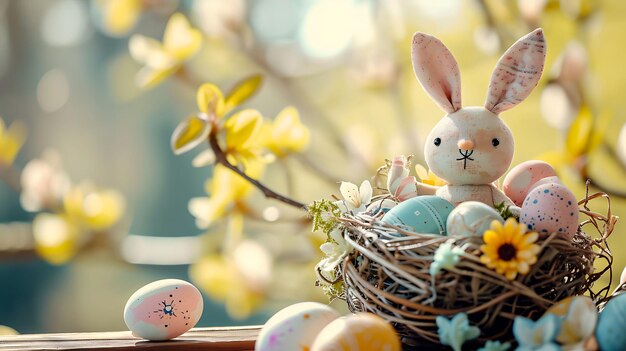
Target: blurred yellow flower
[
  {"x": 119, "y": 16},
  {"x": 239, "y": 279},
  {"x": 56, "y": 237},
  {"x": 509, "y": 249},
  {"x": 180, "y": 43},
  {"x": 286, "y": 134},
  {"x": 226, "y": 189},
  {"x": 428, "y": 177},
  {"x": 11, "y": 141},
  {"x": 4, "y": 330},
  {"x": 97, "y": 209}
]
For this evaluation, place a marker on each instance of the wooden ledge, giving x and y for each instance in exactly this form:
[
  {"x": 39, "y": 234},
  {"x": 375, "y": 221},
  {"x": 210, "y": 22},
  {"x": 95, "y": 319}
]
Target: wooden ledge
[{"x": 222, "y": 338}]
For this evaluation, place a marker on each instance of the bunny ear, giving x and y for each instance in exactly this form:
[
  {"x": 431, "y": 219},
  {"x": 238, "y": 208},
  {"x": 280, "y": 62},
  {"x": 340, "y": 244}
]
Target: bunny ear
[
  {"x": 437, "y": 71},
  {"x": 517, "y": 72}
]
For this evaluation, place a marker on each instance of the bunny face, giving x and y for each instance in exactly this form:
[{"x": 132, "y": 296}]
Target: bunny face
[{"x": 471, "y": 146}]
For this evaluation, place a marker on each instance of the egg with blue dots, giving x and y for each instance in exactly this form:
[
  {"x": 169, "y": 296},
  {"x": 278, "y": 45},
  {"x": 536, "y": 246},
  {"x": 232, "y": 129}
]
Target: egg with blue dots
[
  {"x": 550, "y": 208},
  {"x": 422, "y": 214},
  {"x": 163, "y": 309},
  {"x": 295, "y": 327},
  {"x": 523, "y": 177},
  {"x": 471, "y": 218},
  {"x": 611, "y": 325}
]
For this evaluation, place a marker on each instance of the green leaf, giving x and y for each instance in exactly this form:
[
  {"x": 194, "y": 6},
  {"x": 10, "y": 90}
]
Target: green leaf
[
  {"x": 324, "y": 214},
  {"x": 189, "y": 134},
  {"x": 242, "y": 91}
]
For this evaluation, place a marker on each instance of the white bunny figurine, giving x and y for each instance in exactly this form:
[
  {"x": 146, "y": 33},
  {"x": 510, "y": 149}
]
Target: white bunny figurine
[{"x": 471, "y": 147}]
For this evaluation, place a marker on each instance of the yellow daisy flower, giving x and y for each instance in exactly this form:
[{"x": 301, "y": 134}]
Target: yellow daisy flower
[
  {"x": 508, "y": 249},
  {"x": 428, "y": 177}
]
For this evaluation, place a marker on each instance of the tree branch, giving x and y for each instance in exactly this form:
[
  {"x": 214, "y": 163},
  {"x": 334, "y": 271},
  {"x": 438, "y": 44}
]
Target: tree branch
[{"x": 220, "y": 158}]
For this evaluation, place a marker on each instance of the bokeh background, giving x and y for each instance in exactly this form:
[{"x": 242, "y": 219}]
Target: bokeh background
[{"x": 94, "y": 203}]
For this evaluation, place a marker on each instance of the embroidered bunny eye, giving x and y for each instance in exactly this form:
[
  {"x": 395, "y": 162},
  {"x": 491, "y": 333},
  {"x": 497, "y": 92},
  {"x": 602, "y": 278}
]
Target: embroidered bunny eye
[
  {"x": 437, "y": 141},
  {"x": 495, "y": 142}
]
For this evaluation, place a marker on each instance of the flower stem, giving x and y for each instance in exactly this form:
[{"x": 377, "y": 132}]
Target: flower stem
[{"x": 220, "y": 158}]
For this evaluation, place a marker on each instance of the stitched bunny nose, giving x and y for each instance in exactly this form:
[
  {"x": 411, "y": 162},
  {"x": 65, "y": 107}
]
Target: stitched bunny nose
[{"x": 465, "y": 144}]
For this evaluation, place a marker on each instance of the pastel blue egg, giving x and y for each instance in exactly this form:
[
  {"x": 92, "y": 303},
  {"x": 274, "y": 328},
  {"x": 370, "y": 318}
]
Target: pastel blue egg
[
  {"x": 471, "y": 218},
  {"x": 612, "y": 324},
  {"x": 422, "y": 214}
]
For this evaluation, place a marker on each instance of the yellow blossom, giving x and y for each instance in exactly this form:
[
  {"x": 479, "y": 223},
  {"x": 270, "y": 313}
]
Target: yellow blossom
[
  {"x": 238, "y": 278},
  {"x": 180, "y": 43},
  {"x": 286, "y": 134},
  {"x": 243, "y": 142},
  {"x": 11, "y": 141},
  {"x": 212, "y": 107},
  {"x": 509, "y": 249},
  {"x": 56, "y": 237},
  {"x": 226, "y": 189},
  {"x": 97, "y": 209},
  {"x": 119, "y": 16},
  {"x": 428, "y": 177}
]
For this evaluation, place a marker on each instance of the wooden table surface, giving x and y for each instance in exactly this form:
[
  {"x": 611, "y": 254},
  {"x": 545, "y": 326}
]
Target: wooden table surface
[{"x": 223, "y": 338}]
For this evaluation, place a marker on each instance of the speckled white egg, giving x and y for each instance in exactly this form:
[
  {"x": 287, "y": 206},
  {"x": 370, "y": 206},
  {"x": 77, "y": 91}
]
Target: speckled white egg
[
  {"x": 521, "y": 178},
  {"x": 550, "y": 208},
  {"x": 295, "y": 327},
  {"x": 163, "y": 309},
  {"x": 358, "y": 332},
  {"x": 471, "y": 218}
]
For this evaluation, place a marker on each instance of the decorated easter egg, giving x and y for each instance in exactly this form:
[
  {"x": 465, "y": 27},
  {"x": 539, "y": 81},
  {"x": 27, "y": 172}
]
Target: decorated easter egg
[
  {"x": 422, "y": 214},
  {"x": 611, "y": 325},
  {"x": 550, "y": 208},
  {"x": 471, "y": 218},
  {"x": 520, "y": 179},
  {"x": 294, "y": 327},
  {"x": 381, "y": 206},
  {"x": 358, "y": 332},
  {"x": 163, "y": 309}
]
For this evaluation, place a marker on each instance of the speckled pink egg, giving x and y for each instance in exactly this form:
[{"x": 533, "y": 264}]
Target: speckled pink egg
[
  {"x": 163, "y": 309},
  {"x": 550, "y": 208},
  {"x": 521, "y": 178}
]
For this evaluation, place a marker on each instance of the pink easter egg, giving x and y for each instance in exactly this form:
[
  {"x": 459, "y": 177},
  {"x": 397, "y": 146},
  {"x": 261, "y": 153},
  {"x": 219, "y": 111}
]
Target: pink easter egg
[
  {"x": 550, "y": 208},
  {"x": 521, "y": 178},
  {"x": 163, "y": 309}
]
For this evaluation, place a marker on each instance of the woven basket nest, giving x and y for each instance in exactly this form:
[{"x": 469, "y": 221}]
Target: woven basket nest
[{"x": 388, "y": 274}]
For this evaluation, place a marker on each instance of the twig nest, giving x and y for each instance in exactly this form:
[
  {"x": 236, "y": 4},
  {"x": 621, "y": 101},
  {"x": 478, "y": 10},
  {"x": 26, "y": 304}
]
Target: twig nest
[{"x": 389, "y": 273}]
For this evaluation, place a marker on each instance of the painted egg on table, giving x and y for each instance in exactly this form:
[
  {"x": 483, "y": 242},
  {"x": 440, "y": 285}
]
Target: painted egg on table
[
  {"x": 612, "y": 324},
  {"x": 422, "y": 214},
  {"x": 358, "y": 332},
  {"x": 471, "y": 218},
  {"x": 163, "y": 309},
  {"x": 521, "y": 178},
  {"x": 295, "y": 327},
  {"x": 550, "y": 208}
]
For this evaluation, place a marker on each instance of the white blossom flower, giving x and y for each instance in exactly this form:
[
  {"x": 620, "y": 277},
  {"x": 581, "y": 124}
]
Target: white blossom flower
[
  {"x": 355, "y": 199},
  {"x": 335, "y": 251}
]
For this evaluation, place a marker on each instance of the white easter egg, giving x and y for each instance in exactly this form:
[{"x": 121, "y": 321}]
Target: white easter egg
[
  {"x": 471, "y": 218},
  {"x": 163, "y": 309},
  {"x": 550, "y": 208},
  {"x": 294, "y": 327},
  {"x": 522, "y": 177}
]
